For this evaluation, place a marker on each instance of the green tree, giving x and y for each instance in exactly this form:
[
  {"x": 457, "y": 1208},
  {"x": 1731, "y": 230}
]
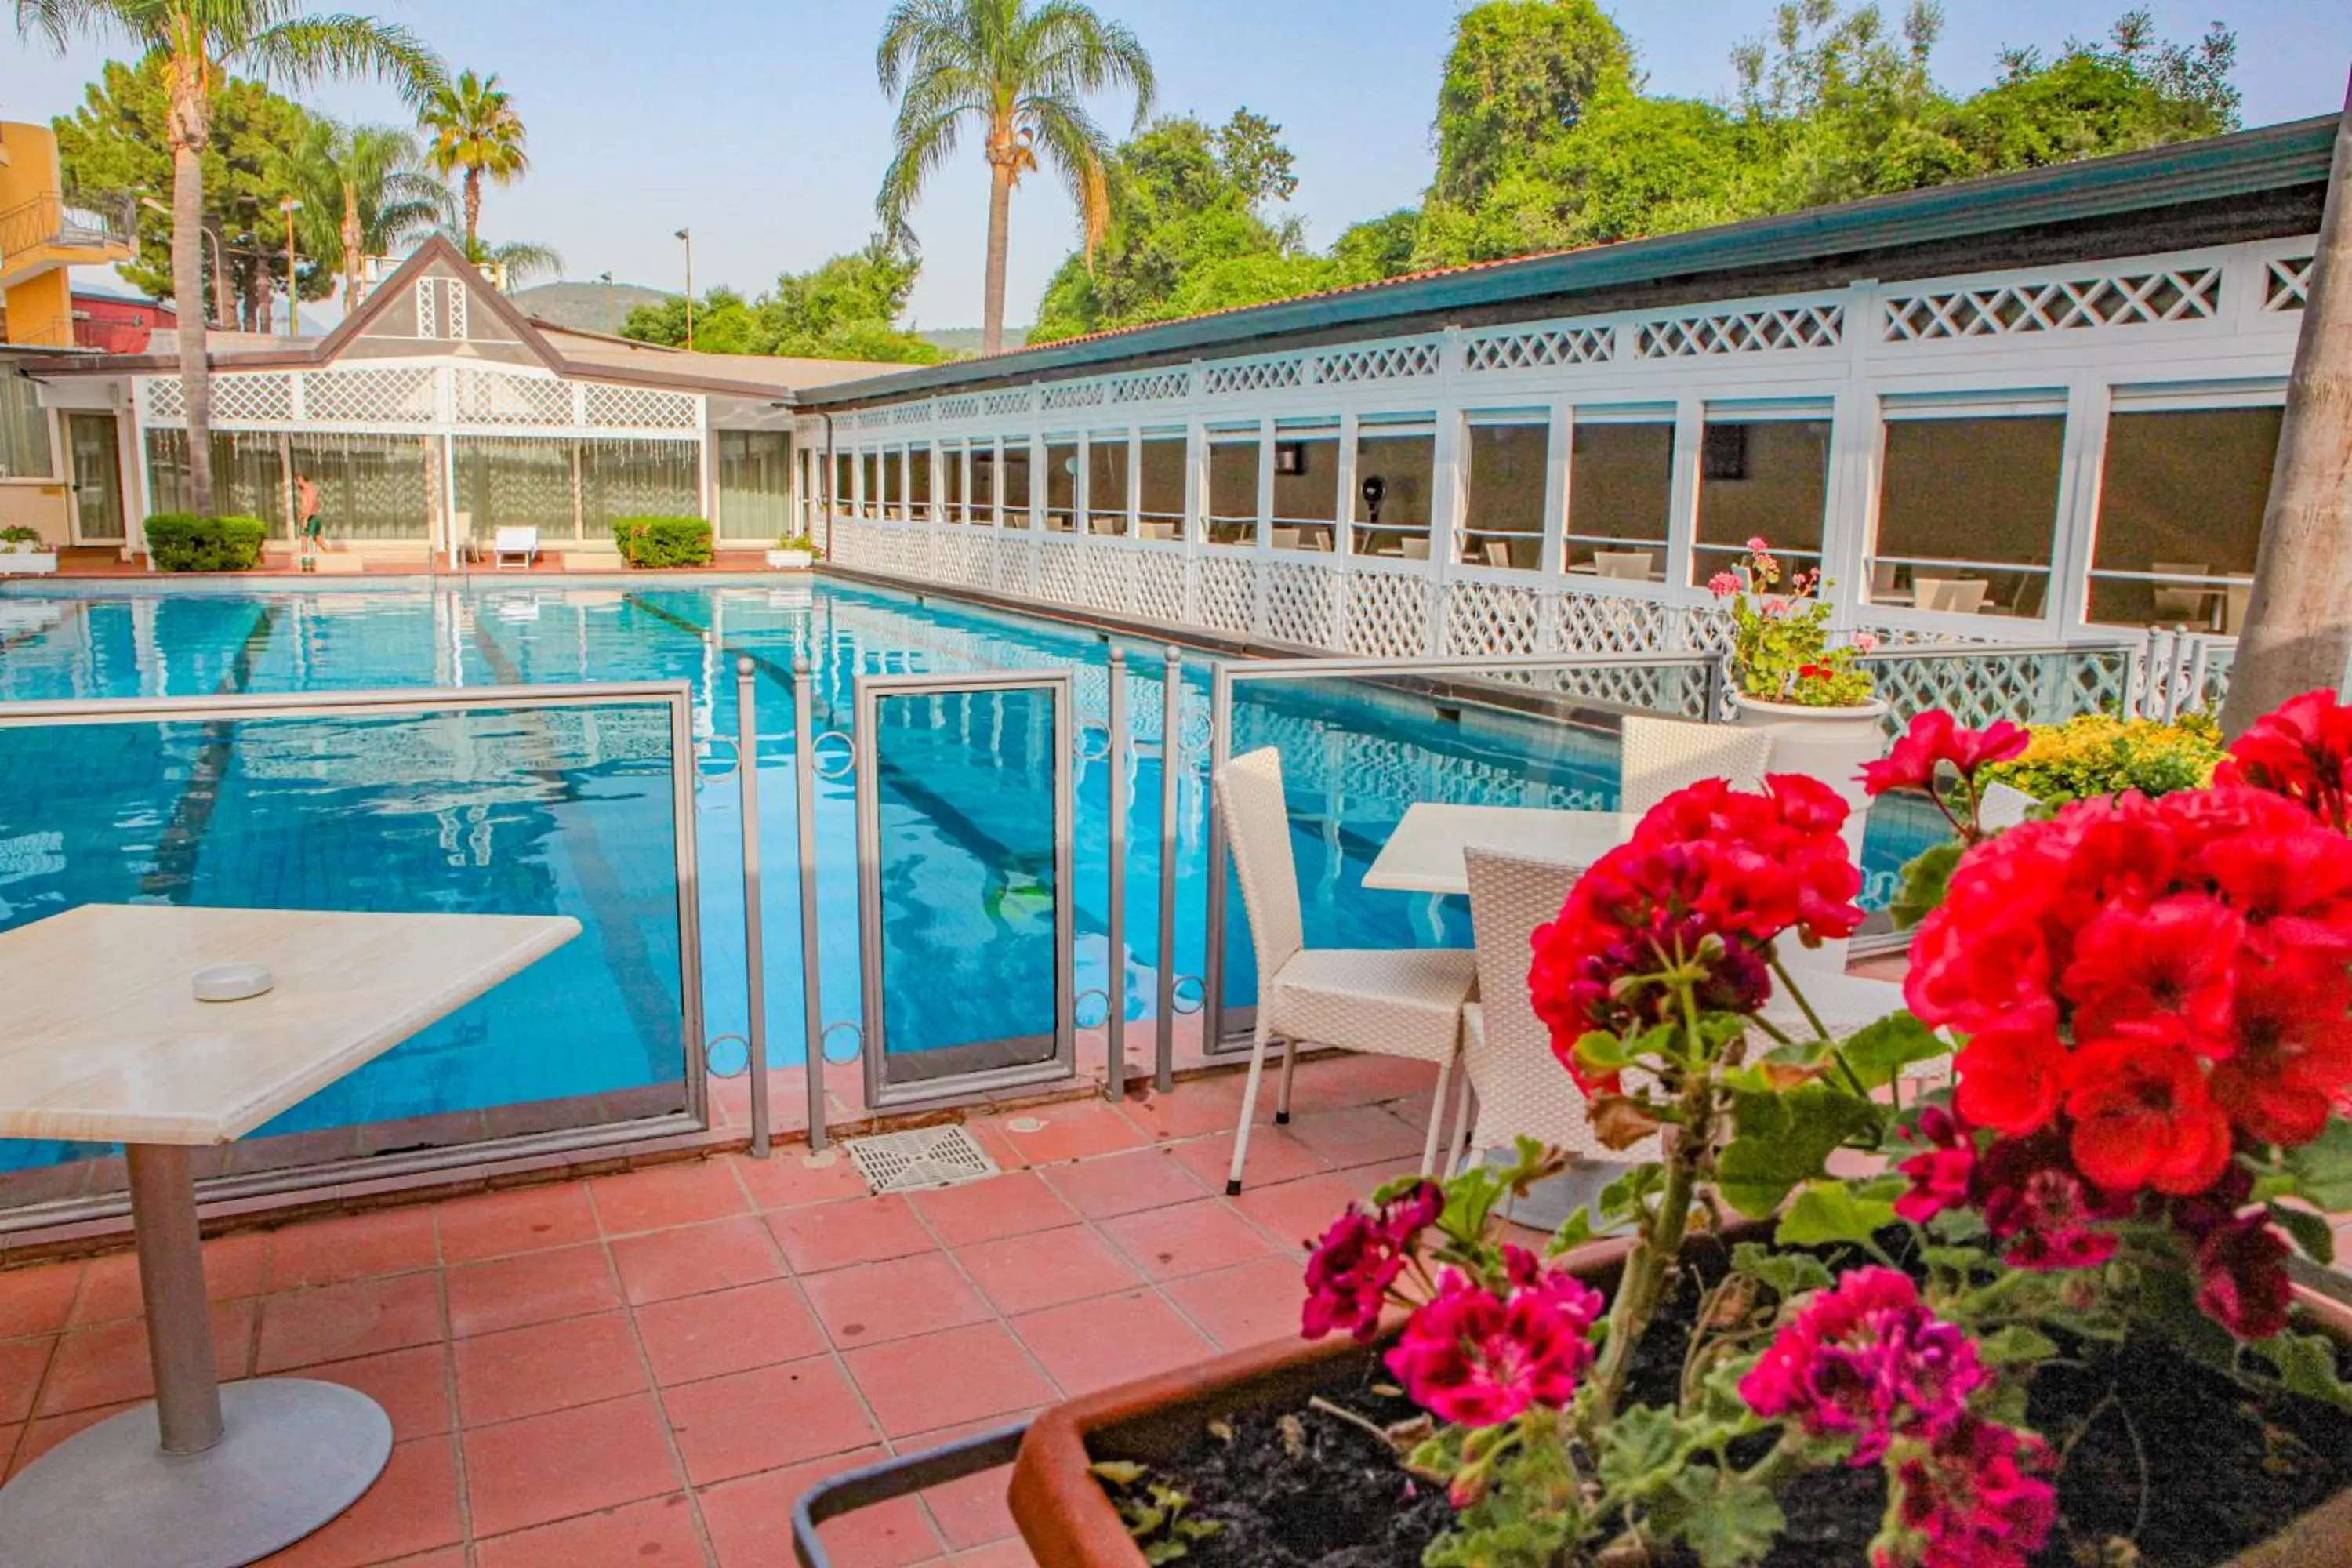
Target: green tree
[
  {"x": 2131, "y": 92},
  {"x": 472, "y": 132},
  {"x": 1022, "y": 75},
  {"x": 1377, "y": 247},
  {"x": 200, "y": 41},
  {"x": 364, "y": 191},
  {"x": 1519, "y": 73},
  {"x": 845, "y": 308},
  {"x": 519, "y": 261}
]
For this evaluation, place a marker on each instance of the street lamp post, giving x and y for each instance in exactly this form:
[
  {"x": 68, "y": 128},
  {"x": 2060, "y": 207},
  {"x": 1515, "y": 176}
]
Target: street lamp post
[
  {"x": 290, "y": 206},
  {"x": 220, "y": 264},
  {"x": 686, "y": 235}
]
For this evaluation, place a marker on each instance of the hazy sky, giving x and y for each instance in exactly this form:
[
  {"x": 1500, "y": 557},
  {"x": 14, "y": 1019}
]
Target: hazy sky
[{"x": 761, "y": 126}]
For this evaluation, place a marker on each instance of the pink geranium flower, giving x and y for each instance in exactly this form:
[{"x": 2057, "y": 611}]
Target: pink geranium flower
[
  {"x": 1977, "y": 1499},
  {"x": 1479, "y": 1359},
  {"x": 1352, "y": 1268},
  {"x": 1867, "y": 1361}
]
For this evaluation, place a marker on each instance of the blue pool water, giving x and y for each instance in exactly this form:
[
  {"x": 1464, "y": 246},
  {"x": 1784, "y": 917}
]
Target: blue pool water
[{"x": 527, "y": 810}]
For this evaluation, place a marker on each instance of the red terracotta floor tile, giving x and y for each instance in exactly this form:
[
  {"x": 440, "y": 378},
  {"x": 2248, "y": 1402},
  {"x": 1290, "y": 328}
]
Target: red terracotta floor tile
[
  {"x": 1122, "y": 1183},
  {"x": 1274, "y": 1156},
  {"x": 1253, "y": 1304},
  {"x": 656, "y": 1533},
  {"x": 353, "y": 1247},
  {"x": 665, "y": 1195},
  {"x": 235, "y": 1264},
  {"x": 412, "y": 1386},
  {"x": 1296, "y": 1213},
  {"x": 22, "y": 1363},
  {"x": 1191, "y": 1238},
  {"x": 833, "y": 1236},
  {"x": 719, "y": 1331},
  {"x": 751, "y": 1521},
  {"x": 791, "y": 1177},
  {"x": 498, "y": 1224},
  {"x": 1025, "y": 1273},
  {"x": 341, "y": 1321},
  {"x": 942, "y": 1379},
  {"x": 530, "y": 1288},
  {"x": 108, "y": 1363},
  {"x": 772, "y": 1415},
  {"x": 694, "y": 1258},
  {"x": 1194, "y": 1107},
  {"x": 411, "y": 1508},
  {"x": 548, "y": 1366},
  {"x": 1001, "y": 1554},
  {"x": 972, "y": 1512},
  {"x": 1339, "y": 1082},
  {"x": 1048, "y": 1134},
  {"x": 39, "y": 1300},
  {"x": 1011, "y": 1205},
  {"x": 1088, "y": 1345},
  {"x": 568, "y": 1462},
  {"x": 890, "y": 1300},
  {"x": 1363, "y": 1136}
]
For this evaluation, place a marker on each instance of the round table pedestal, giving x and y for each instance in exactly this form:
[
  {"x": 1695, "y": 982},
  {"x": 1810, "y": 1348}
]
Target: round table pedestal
[{"x": 293, "y": 1454}]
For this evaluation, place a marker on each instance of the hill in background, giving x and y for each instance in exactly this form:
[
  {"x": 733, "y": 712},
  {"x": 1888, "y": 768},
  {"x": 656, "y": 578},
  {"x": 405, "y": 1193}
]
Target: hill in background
[
  {"x": 963, "y": 341},
  {"x": 588, "y": 307}
]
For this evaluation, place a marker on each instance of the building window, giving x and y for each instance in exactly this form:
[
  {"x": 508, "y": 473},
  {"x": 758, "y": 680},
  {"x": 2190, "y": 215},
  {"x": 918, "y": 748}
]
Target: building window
[
  {"x": 1306, "y": 488},
  {"x": 1161, "y": 477},
  {"x": 754, "y": 483},
  {"x": 983, "y": 488},
  {"x": 249, "y": 477},
  {"x": 379, "y": 486},
  {"x": 1015, "y": 461},
  {"x": 1620, "y": 486},
  {"x": 952, "y": 484},
  {"x": 1967, "y": 511},
  {"x": 1107, "y": 483},
  {"x": 1504, "y": 523},
  {"x": 1396, "y": 473},
  {"x": 24, "y": 451},
  {"x": 918, "y": 483},
  {"x": 1233, "y": 488},
  {"x": 1062, "y": 485},
  {"x": 843, "y": 497},
  {"x": 894, "y": 485},
  {"x": 2181, "y": 497},
  {"x": 1761, "y": 479},
  {"x": 869, "y": 466}
]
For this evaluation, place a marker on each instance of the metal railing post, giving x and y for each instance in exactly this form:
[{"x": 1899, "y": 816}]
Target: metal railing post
[
  {"x": 805, "y": 832},
  {"x": 755, "y": 970},
  {"x": 1213, "y": 960},
  {"x": 1115, "y": 985},
  {"x": 1171, "y": 768}
]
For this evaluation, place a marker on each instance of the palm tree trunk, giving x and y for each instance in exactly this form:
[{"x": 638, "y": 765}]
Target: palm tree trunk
[
  {"x": 188, "y": 300},
  {"x": 352, "y": 241},
  {"x": 2298, "y": 631},
  {"x": 999, "y": 224},
  {"x": 473, "y": 208},
  {"x": 223, "y": 282}
]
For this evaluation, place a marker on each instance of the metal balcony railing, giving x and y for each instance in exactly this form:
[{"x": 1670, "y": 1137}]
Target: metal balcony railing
[{"x": 51, "y": 219}]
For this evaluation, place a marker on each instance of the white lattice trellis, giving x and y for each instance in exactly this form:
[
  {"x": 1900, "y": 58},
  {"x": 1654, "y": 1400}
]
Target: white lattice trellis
[
  {"x": 256, "y": 397},
  {"x": 1541, "y": 349},
  {"x": 1492, "y": 617},
  {"x": 1388, "y": 362},
  {"x": 1013, "y": 402},
  {"x": 1253, "y": 376},
  {"x": 1061, "y": 575},
  {"x": 2286, "y": 283},
  {"x": 1228, "y": 594},
  {"x": 958, "y": 407},
  {"x": 1388, "y": 614},
  {"x": 1301, "y": 601},
  {"x": 393, "y": 395},
  {"x": 1073, "y": 394},
  {"x": 911, "y": 414},
  {"x": 166, "y": 399},
  {"x": 1159, "y": 586},
  {"x": 1152, "y": 386},
  {"x": 503, "y": 398},
  {"x": 2183, "y": 294},
  {"x": 640, "y": 408},
  {"x": 1983, "y": 684},
  {"x": 1761, "y": 330},
  {"x": 1110, "y": 580},
  {"x": 1607, "y": 622}
]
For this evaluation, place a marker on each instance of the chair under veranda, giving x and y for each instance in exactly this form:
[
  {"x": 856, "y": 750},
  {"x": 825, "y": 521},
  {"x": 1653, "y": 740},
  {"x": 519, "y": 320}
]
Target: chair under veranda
[
  {"x": 1393, "y": 1002},
  {"x": 1631, "y": 565},
  {"x": 1663, "y": 755},
  {"x": 2177, "y": 604}
]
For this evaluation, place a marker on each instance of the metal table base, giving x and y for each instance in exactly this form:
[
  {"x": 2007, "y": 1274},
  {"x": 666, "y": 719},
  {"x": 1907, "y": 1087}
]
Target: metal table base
[{"x": 203, "y": 1477}]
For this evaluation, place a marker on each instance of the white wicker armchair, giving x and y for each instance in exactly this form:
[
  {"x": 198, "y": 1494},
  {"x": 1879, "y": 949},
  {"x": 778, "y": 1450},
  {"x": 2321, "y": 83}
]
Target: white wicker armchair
[
  {"x": 1663, "y": 755},
  {"x": 1404, "y": 1002}
]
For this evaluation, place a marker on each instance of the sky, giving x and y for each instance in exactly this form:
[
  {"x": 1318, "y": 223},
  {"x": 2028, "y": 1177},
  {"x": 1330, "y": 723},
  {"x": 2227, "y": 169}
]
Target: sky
[{"x": 759, "y": 126}]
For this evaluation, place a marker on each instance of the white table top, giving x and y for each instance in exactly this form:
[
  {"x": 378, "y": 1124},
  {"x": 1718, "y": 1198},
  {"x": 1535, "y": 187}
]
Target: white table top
[
  {"x": 102, "y": 1038},
  {"x": 1424, "y": 854}
]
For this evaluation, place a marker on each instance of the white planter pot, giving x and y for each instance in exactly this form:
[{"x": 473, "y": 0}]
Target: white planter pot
[
  {"x": 1827, "y": 744},
  {"x": 28, "y": 560},
  {"x": 791, "y": 560}
]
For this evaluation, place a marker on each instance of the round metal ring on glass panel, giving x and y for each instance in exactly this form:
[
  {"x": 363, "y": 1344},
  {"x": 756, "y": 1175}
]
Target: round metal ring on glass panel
[
  {"x": 708, "y": 763},
  {"x": 726, "y": 1055},
  {"x": 1088, "y": 730},
  {"x": 1200, "y": 993},
  {"x": 856, "y": 1041},
  {"x": 827, "y": 767},
  {"x": 1090, "y": 1008}
]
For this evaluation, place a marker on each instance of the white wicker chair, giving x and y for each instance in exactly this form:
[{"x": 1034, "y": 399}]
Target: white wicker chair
[
  {"x": 2005, "y": 806},
  {"x": 1401, "y": 1002},
  {"x": 1663, "y": 755}
]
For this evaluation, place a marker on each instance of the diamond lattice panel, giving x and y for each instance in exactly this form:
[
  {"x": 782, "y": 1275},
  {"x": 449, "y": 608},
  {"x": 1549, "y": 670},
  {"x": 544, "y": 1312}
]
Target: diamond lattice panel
[
  {"x": 1110, "y": 580},
  {"x": 1603, "y": 623},
  {"x": 1742, "y": 333},
  {"x": 1152, "y": 386},
  {"x": 1258, "y": 375},
  {"x": 2286, "y": 283},
  {"x": 1982, "y": 684},
  {"x": 640, "y": 408},
  {"x": 1301, "y": 602},
  {"x": 1015, "y": 401},
  {"x": 1061, "y": 575},
  {"x": 1388, "y": 614},
  {"x": 166, "y": 400},
  {"x": 257, "y": 398},
  {"x": 1492, "y": 617},
  {"x": 393, "y": 395},
  {"x": 1387, "y": 363},
  {"x": 1228, "y": 594},
  {"x": 958, "y": 408},
  {"x": 1074, "y": 394},
  {"x": 2187, "y": 294},
  {"x": 497, "y": 397},
  {"x": 1159, "y": 586},
  {"x": 1537, "y": 350}
]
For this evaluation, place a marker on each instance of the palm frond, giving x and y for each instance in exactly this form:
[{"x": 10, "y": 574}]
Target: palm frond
[
  {"x": 302, "y": 49},
  {"x": 920, "y": 153},
  {"x": 1062, "y": 128}
]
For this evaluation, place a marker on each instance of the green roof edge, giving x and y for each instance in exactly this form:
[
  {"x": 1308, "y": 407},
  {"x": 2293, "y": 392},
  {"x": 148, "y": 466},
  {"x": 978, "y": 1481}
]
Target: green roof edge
[{"x": 2272, "y": 157}]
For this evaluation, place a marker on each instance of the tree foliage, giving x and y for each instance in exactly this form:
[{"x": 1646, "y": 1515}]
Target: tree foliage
[
  {"x": 1521, "y": 71},
  {"x": 847, "y": 309}
]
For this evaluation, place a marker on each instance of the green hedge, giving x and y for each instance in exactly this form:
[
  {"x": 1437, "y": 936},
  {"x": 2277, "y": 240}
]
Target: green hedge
[
  {"x": 657, "y": 541},
  {"x": 182, "y": 542}
]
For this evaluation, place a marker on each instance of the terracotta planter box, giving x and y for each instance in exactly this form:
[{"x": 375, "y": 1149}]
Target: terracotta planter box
[{"x": 1069, "y": 1522}]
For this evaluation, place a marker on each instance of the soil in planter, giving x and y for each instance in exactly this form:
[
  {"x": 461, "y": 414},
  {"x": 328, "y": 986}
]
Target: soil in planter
[{"x": 2185, "y": 1464}]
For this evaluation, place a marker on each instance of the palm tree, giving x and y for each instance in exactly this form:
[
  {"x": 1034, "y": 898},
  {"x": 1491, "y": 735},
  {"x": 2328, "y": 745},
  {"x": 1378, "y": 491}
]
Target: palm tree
[
  {"x": 365, "y": 192},
  {"x": 200, "y": 42},
  {"x": 2298, "y": 632},
  {"x": 1021, "y": 74},
  {"x": 474, "y": 128},
  {"x": 519, "y": 259}
]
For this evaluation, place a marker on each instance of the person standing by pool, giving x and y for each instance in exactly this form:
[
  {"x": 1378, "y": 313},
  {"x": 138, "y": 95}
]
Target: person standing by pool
[{"x": 306, "y": 518}]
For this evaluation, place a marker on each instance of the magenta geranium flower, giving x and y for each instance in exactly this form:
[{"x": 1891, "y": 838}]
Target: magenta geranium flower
[
  {"x": 1479, "y": 1359},
  {"x": 1976, "y": 1499},
  {"x": 1352, "y": 1268},
  {"x": 1867, "y": 1361}
]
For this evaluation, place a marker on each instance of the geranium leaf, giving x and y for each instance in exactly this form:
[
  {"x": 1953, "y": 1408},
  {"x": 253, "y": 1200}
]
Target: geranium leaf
[
  {"x": 1784, "y": 1139},
  {"x": 1829, "y": 1211},
  {"x": 1789, "y": 1274},
  {"x": 1879, "y": 1053},
  {"x": 2310, "y": 1232},
  {"x": 2306, "y": 1365},
  {"x": 2323, "y": 1168},
  {"x": 1637, "y": 1449},
  {"x": 1925, "y": 882},
  {"x": 2015, "y": 1345},
  {"x": 1574, "y": 1232},
  {"x": 1728, "y": 1519}
]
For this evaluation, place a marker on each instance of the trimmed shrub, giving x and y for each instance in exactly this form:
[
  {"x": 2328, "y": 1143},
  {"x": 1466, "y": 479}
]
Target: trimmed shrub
[
  {"x": 2096, "y": 755},
  {"x": 660, "y": 541},
  {"x": 182, "y": 542},
  {"x": 17, "y": 533}
]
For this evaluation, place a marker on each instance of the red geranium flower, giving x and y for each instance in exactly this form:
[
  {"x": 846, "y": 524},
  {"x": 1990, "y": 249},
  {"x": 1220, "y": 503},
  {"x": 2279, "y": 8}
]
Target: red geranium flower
[
  {"x": 2241, "y": 1278},
  {"x": 1977, "y": 1499},
  {"x": 1943, "y": 1174},
  {"x": 2165, "y": 971},
  {"x": 2012, "y": 1076},
  {"x": 2041, "y": 1210},
  {"x": 2143, "y": 1117},
  {"x": 2300, "y": 750},
  {"x": 1934, "y": 737},
  {"x": 1479, "y": 1359},
  {"x": 2294, "y": 1063}
]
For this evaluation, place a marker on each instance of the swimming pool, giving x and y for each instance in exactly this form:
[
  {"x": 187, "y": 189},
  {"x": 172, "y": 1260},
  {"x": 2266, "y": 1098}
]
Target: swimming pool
[{"x": 514, "y": 810}]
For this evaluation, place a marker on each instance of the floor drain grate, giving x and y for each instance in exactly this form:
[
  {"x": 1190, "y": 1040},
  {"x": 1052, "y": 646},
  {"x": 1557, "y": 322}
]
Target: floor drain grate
[{"x": 919, "y": 1157}]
